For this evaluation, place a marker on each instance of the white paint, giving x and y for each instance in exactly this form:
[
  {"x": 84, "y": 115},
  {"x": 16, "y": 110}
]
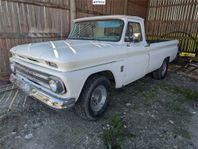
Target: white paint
[
  {"x": 97, "y": 45},
  {"x": 70, "y": 47},
  {"x": 29, "y": 45},
  {"x": 54, "y": 50},
  {"x": 99, "y": 2}
]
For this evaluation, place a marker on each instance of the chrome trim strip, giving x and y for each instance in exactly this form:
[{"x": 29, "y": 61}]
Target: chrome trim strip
[{"x": 95, "y": 66}]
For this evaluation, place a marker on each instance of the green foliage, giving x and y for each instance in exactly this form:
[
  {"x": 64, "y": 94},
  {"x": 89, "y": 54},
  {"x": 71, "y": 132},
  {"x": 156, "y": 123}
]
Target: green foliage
[
  {"x": 113, "y": 137},
  {"x": 151, "y": 93},
  {"x": 176, "y": 107},
  {"x": 189, "y": 94},
  {"x": 183, "y": 132}
]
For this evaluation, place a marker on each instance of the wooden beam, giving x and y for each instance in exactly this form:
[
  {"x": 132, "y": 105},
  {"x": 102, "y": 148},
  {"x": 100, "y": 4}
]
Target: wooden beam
[
  {"x": 125, "y": 7},
  {"x": 42, "y": 4},
  {"x": 72, "y": 11},
  {"x": 89, "y": 11},
  {"x": 33, "y": 35}
]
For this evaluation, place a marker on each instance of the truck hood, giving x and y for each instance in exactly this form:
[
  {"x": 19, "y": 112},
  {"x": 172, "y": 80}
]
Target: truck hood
[{"x": 68, "y": 54}]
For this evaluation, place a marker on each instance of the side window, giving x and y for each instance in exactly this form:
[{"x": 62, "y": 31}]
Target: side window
[{"x": 133, "y": 31}]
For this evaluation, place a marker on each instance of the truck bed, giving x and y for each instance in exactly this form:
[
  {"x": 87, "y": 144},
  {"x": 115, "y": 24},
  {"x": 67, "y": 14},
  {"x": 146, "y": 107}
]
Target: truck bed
[{"x": 156, "y": 41}]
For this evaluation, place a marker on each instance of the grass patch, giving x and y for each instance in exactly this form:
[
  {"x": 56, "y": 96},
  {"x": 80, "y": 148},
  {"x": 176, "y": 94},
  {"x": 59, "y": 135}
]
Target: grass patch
[
  {"x": 150, "y": 96},
  {"x": 175, "y": 107},
  {"x": 177, "y": 97},
  {"x": 151, "y": 93},
  {"x": 189, "y": 94},
  {"x": 114, "y": 136},
  {"x": 183, "y": 132}
]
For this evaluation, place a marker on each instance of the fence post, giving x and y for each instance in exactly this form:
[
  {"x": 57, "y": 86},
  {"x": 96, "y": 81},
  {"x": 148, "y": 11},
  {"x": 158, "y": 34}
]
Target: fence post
[
  {"x": 125, "y": 7},
  {"x": 72, "y": 11}
]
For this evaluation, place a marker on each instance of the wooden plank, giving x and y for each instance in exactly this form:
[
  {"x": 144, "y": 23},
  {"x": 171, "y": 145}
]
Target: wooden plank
[
  {"x": 169, "y": 5},
  {"x": 79, "y": 10},
  {"x": 39, "y": 3}
]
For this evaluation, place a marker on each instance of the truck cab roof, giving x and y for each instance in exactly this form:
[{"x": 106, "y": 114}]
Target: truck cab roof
[{"x": 123, "y": 17}]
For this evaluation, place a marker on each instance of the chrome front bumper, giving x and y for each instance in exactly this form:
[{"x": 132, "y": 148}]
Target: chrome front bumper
[{"x": 30, "y": 89}]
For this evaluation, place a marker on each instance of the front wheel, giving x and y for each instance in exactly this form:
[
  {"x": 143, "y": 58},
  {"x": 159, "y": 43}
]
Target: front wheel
[
  {"x": 162, "y": 71},
  {"x": 95, "y": 98}
]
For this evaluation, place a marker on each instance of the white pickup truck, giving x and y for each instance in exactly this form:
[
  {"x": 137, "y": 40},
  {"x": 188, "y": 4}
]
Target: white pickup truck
[{"x": 100, "y": 53}]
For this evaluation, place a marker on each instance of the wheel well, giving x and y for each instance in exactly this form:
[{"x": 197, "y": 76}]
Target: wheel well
[
  {"x": 168, "y": 58},
  {"x": 107, "y": 74}
]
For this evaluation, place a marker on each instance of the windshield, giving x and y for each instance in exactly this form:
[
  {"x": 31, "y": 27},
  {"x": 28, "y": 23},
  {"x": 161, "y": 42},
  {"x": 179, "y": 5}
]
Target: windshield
[{"x": 103, "y": 30}]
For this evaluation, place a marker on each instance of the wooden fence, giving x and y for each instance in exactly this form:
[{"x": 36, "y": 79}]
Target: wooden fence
[
  {"x": 174, "y": 19},
  {"x": 129, "y": 7},
  {"x": 25, "y": 21},
  {"x": 137, "y": 8}
]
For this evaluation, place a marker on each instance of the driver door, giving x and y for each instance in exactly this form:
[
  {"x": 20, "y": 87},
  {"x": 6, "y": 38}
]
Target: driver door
[{"x": 137, "y": 55}]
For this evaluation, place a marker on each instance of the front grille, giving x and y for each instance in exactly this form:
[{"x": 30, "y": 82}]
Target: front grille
[
  {"x": 32, "y": 75},
  {"x": 27, "y": 58}
]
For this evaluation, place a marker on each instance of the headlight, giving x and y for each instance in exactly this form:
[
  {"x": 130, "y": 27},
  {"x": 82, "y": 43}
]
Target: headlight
[
  {"x": 53, "y": 85},
  {"x": 56, "y": 86}
]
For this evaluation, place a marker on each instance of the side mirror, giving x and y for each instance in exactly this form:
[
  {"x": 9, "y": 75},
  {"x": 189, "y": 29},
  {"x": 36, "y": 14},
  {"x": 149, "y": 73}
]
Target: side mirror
[
  {"x": 136, "y": 37},
  {"x": 131, "y": 39},
  {"x": 129, "y": 36}
]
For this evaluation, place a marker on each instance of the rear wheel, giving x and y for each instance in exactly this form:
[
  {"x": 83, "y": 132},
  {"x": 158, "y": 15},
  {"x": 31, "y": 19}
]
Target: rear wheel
[
  {"x": 95, "y": 98},
  {"x": 162, "y": 71}
]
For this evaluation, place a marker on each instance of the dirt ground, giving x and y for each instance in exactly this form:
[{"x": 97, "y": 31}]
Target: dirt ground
[{"x": 147, "y": 114}]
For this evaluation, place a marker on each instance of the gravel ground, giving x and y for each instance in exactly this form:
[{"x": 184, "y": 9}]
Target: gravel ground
[{"x": 156, "y": 114}]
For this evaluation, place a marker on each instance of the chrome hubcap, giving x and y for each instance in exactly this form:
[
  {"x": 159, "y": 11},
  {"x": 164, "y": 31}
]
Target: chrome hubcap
[{"x": 98, "y": 98}]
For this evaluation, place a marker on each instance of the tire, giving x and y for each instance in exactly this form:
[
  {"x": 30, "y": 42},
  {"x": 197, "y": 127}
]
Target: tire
[
  {"x": 161, "y": 73},
  {"x": 97, "y": 89}
]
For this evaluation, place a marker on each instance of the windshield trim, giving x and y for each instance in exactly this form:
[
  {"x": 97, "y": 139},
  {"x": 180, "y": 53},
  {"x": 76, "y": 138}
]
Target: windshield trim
[{"x": 98, "y": 39}]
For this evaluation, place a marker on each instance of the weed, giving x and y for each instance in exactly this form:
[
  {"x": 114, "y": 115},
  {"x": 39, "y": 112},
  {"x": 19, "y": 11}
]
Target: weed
[{"x": 113, "y": 137}]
